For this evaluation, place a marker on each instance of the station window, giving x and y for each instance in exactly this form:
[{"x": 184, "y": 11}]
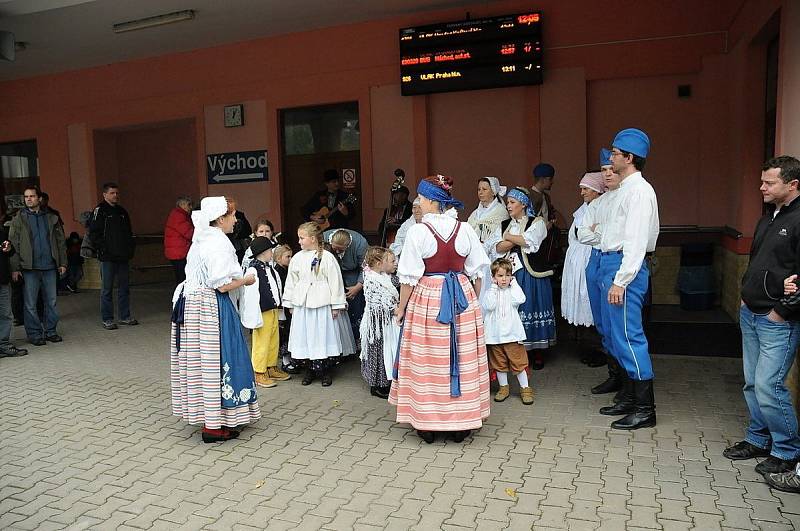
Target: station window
[
  {"x": 19, "y": 168},
  {"x": 321, "y": 129}
]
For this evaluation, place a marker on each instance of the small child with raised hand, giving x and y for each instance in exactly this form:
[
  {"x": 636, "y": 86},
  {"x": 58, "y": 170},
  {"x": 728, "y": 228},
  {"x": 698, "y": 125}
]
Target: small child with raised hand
[
  {"x": 504, "y": 332},
  {"x": 264, "y": 353}
]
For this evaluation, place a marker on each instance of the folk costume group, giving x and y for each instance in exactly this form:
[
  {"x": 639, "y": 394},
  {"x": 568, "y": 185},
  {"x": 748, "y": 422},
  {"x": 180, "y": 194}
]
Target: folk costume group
[{"x": 448, "y": 301}]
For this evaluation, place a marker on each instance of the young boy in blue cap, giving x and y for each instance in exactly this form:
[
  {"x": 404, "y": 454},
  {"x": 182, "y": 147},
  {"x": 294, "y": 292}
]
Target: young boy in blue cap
[{"x": 631, "y": 231}]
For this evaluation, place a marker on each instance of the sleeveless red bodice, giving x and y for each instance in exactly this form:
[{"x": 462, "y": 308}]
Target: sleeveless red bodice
[{"x": 446, "y": 258}]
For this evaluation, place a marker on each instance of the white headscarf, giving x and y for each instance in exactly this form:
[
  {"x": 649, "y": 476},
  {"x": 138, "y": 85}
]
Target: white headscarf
[
  {"x": 210, "y": 209},
  {"x": 494, "y": 183}
]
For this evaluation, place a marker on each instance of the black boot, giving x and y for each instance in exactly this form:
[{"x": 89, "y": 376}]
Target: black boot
[
  {"x": 644, "y": 414},
  {"x": 613, "y": 383},
  {"x": 627, "y": 402}
]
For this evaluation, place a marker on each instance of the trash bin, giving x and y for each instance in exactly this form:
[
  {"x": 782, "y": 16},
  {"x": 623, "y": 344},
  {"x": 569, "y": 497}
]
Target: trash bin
[{"x": 696, "y": 277}]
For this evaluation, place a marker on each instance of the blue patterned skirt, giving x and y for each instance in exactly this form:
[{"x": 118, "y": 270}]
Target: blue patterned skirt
[
  {"x": 537, "y": 313},
  {"x": 238, "y": 384}
]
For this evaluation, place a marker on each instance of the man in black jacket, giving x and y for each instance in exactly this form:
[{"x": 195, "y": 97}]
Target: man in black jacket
[
  {"x": 6, "y": 348},
  {"x": 111, "y": 234},
  {"x": 770, "y": 323},
  {"x": 334, "y": 200}
]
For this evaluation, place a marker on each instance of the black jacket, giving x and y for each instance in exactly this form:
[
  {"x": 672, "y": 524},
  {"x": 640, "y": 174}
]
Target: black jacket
[
  {"x": 5, "y": 265},
  {"x": 538, "y": 260},
  {"x": 336, "y": 219},
  {"x": 111, "y": 233},
  {"x": 267, "y": 301},
  {"x": 774, "y": 255}
]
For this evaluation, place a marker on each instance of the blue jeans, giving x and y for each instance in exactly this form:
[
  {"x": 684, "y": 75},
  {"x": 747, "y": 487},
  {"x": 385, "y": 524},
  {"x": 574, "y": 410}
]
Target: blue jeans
[
  {"x": 108, "y": 272},
  {"x": 768, "y": 351},
  {"x": 36, "y": 280}
]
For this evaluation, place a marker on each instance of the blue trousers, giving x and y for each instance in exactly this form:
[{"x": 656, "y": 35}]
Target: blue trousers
[
  {"x": 35, "y": 281},
  {"x": 622, "y": 323},
  {"x": 596, "y": 296},
  {"x": 768, "y": 351},
  {"x": 6, "y": 317},
  {"x": 108, "y": 272}
]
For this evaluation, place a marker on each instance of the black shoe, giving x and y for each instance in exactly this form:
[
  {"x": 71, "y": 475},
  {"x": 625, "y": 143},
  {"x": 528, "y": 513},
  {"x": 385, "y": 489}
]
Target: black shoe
[
  {"x": 110, "y": 325},
  {"x": 744, "y": 450},
  {"x": 55, "y": 338},
  {"x": 785, "y": 481},
  {"x": 596, "y": 359},
  {"x": 291, "y": 369},
  {"x": 775, "y": 465},
  {"x": 212, "y": 438},
  {"x": 427, "y": 436},
  {"x": 308, "y": 378},
  {"x": 129, "y": 321},
  {"x": 38, "y": 342},
  {"x": 380, "y": 392},
  {"x": 626, "y": 403},
  {"x": 18, "y": 322},
  {"x": 459, "y": 436},
  {"x": 538, "y": 362},
  {"x": 613, "y": 383},
  {"x": 13, "y": 352},
  {"x": 644, "y": 414},
  {"x": 326, "y": 380}
]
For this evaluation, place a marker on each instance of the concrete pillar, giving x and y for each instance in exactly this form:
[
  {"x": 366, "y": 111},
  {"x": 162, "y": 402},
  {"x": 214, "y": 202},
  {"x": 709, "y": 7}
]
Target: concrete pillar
[{"x": 788, "y": 137}]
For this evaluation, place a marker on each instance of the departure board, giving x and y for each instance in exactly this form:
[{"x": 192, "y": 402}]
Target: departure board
[{"x": 503, "y": 51}]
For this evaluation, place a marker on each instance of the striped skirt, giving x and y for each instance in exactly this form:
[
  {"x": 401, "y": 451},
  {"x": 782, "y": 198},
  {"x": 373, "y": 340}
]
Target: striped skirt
[
  {"x": 421, "y": 391},
  {"x": 195, "y": 372}
]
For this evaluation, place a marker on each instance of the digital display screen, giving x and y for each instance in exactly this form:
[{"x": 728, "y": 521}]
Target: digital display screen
[{"x": 503, "y": 51}]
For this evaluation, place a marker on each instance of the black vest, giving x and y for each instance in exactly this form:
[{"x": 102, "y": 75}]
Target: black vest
[{"x": 537, "y": 260}]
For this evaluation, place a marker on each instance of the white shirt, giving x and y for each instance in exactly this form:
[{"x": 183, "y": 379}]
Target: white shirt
[
  {"x": 632, "y": 226},
  {"x": 534, "y": 235},
  {"x": 309, "y": 288},
  {"x": 420, "y": 244},
  {"x": 400, "y": 237},
  {"x": 501, "y": 321},
  {"x": 595, "y": 214},
  {"x": 211, "y": 261}
]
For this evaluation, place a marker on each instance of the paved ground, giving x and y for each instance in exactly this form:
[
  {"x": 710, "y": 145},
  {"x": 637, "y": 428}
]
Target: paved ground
[{"x": 88, "y": 442}]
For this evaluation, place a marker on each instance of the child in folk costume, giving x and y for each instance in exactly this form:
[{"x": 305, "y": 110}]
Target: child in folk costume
[
  {"x": 518, "y": 239},
  {"x": 314, "y": 293},
  {"x": 281, "y": 256},
  {"x": 576, "y": 307},
  {"x": 488, "y": 216},
  {"x": 265, "y": 229},
  {"x": 267, "y": 293},
  {"x": 379, "y": 331},
  {"x": 504, "y": 331}
]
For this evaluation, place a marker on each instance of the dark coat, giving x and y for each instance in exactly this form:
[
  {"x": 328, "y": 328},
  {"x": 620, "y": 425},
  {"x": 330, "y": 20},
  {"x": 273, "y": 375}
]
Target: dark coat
[{"x": 111, "y": 233}]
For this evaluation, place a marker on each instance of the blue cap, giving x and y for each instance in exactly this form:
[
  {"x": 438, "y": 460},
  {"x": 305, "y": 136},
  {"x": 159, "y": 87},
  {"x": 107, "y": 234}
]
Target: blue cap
[
  {"x": 633, "y": 141},
  {"x": 542, "y": 170},
  {"x": 605, "y": 157}
]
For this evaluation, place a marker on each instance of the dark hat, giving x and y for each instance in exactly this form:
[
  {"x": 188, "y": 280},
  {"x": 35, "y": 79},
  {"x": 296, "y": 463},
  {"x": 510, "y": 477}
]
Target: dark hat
[
  {"x": 330, "y": 175},
  {"x": 402, "y": 190},
  {"x": 542, "y": 170},
  {"x": 261, "y": 244}
]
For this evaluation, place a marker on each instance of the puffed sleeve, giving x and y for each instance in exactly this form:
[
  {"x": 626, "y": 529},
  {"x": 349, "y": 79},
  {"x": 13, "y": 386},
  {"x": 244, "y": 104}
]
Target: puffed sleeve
[
  {"x": 534, "y": 236},
  {"x": 410, "y": 267},
  {"x": 517, "y": 295},
  {"x": 490, "y": 245},
  {"x": 584, "y": 233},
  {"x": 222, "y": 267},
  {"x": 333, "y": 275},
  {"x": 477, "y": 259},
  {"x": 489, "y": 298},
  {"x": 292, "y": 279}
]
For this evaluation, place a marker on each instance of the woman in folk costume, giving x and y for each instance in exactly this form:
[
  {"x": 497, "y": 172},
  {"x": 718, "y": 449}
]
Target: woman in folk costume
[
  {"x": 379, "y": 331},
  {"x": 575, "y": 305},
  {"x": 518, "y": 239},
  {"x": 314, "y": 294},
  {"x": 210, "y": 370},
  {"x": 486, "y": 218},
  {"x": 441, "y": 376}
]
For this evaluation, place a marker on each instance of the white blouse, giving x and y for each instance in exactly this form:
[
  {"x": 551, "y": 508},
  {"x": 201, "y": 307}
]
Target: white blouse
[
  {"x": 533, "y": 235},
  {"x": 309, "y": 288},
  {"x": 501, "y": 320},
  {"x": 421, "y": 244},
  {"x": 486, "y": 219},
  {"x": 400, "y": 238},
  {"x": 211, "y": 261}
]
